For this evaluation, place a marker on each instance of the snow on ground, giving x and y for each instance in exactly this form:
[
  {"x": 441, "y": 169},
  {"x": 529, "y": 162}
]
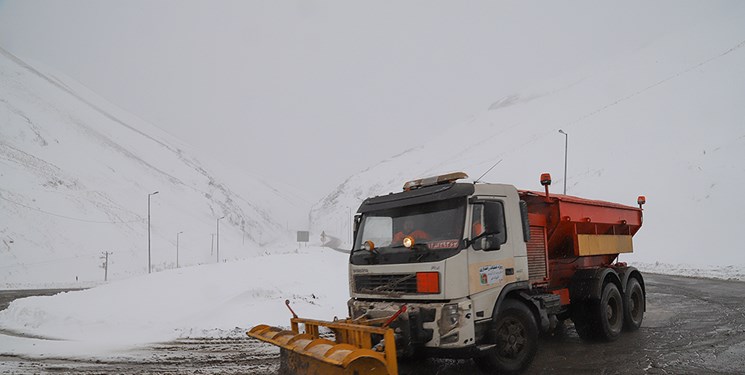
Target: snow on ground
[
  {"x": 731, "y": 272},
  {"x": 203, "y": 301},
  {"x": 219, "y": 300}
]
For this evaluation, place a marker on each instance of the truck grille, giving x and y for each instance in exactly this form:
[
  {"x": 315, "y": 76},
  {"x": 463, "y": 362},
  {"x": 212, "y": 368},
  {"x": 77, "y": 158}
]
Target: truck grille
[{"x": 384, "y": 284}]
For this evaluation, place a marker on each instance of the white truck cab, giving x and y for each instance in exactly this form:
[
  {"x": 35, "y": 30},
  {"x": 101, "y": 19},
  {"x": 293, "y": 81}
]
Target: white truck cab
[{"x": 445, "y": 250}]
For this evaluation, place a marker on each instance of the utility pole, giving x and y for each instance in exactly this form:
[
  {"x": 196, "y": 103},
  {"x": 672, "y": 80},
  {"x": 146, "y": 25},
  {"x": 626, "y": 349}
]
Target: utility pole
[
  {"x": 149, "y": 264},
  {"x": 177, "y": 234},
  {"x": 350, "y": 219},
  {"x": 566, "y": 147},
  {"x": 218, "y": 238},
  {"x": 212, "y": 244},
  {"x": 105, "y": 265}
]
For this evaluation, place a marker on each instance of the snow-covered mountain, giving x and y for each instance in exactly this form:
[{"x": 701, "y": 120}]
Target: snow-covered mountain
[
  {"x": 666, "y": 121},
  {"x": 76, "y": 176}
]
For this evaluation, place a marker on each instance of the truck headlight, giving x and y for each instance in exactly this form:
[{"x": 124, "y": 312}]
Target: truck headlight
[{"x": 450, "y": 318}]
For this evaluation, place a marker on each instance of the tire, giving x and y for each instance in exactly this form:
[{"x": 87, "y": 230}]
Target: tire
[
  {"x": 633, "y": 305},
  {"x": 515, "y": 333},
  {"x": 609, "y": 313}
]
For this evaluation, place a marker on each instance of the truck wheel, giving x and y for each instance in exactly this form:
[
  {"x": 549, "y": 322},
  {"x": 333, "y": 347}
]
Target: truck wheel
[
  {"x": 609, "y": 313},
  {"x": 633, "y": 305},
  {"x": 515, "y": 334}
]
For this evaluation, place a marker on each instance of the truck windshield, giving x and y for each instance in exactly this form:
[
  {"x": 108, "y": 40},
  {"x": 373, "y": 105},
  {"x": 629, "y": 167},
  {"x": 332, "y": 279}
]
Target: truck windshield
[{"x": 436, "y": 227}]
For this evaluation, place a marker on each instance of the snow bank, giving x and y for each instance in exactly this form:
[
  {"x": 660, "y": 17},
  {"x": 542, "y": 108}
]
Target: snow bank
[
  {"x": 731, "y": 272},
  {"x": 219, "y": 300},
  {"x": 204, "y": 301}
]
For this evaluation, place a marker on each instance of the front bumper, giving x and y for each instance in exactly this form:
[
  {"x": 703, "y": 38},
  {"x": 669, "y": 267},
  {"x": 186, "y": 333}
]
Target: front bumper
[{"x": 440, "y": 325}]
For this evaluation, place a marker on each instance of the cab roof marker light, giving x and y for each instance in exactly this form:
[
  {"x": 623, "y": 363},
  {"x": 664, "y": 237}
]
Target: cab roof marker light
[
  {"x": 546, "y": 182},
  {"x": 641, "y": 200},
  {"x": 434, "y": 180}
]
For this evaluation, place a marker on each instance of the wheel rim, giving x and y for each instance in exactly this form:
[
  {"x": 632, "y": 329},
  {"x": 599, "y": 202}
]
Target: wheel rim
[
  {"x": 613, "y": 312},
  {"x": 511, "y": 338},
  {"x": 610, "y": 312}
]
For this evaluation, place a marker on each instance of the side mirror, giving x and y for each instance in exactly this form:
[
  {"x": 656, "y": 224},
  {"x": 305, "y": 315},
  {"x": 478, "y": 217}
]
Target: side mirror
[
  {"x": 357, "y": 221},
  {"x": 488, "y": 242}
]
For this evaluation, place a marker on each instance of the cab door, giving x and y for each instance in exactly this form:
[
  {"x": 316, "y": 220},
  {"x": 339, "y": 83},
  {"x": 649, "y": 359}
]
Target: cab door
[{"x": 491, "y": 255}]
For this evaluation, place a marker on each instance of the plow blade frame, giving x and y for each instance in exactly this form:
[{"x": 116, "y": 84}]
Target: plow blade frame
[{"x": 353, "y": 351}]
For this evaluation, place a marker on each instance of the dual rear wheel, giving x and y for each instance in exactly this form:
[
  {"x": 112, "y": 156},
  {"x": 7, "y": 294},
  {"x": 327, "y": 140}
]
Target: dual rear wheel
[
  {"x": 605, "y": 319},
  {"x": 634, "y": 305},
  {"x": 515, "y": 332}
]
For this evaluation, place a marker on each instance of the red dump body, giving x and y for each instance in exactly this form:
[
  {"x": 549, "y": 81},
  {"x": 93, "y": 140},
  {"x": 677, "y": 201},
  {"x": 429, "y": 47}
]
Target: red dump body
[{"x": 569, "y": 233}]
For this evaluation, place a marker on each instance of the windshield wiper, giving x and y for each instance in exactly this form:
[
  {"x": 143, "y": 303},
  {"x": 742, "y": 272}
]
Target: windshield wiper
[
  {"x": 419, "y": 247},
  {"x": 423, "y": 250}
]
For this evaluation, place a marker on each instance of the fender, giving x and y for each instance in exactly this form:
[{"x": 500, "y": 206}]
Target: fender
[
  {"x": 509, "y": 288},
  {"x": 587, "y": 284},
  {"x": 544, "y": 323},
  {"x": 518, "y": 290},
  {"x": 625, "y": 273}
]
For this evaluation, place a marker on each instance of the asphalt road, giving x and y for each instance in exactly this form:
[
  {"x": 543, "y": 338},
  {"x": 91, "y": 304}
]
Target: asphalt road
[{"x": 692, "y": 326}]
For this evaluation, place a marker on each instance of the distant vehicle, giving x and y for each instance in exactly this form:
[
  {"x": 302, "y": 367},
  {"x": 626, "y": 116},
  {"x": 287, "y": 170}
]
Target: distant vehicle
[{"x": 448, "y": 269}]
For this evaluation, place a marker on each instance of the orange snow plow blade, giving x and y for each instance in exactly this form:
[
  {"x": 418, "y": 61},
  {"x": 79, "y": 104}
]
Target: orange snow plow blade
[{"x": 353, "y": 352}]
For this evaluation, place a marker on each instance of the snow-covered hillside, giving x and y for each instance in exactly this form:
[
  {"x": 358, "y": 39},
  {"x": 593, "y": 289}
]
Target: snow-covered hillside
[
  {"x": 76, "y": 173},
  {"x": 666, "y": 121}
]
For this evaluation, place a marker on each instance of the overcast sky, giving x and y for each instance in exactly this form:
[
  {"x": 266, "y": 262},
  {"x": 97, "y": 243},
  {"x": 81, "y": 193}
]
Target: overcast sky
[{"x": 318, "y": 90}]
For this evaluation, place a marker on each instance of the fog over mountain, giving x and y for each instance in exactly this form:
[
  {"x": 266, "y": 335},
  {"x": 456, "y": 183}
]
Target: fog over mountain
[
  {"x": 665, "y": 121},
  {"x": 77, "y": 172},
  {"x": 316, "y": 90}
]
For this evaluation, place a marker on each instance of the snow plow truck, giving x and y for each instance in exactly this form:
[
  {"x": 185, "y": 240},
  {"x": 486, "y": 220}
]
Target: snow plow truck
[{"x": 479, "y": 270}]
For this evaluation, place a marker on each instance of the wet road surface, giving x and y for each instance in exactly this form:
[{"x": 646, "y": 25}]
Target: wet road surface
[{"x": 692, "y": 326}]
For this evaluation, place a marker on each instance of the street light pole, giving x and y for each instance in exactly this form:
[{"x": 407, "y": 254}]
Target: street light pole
[
  {"x": 177, "y": 247},
  {"x": 218, "y": 238},
  {"x": 149, "y": 264},
  {"x": 566, "y": 147}
]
